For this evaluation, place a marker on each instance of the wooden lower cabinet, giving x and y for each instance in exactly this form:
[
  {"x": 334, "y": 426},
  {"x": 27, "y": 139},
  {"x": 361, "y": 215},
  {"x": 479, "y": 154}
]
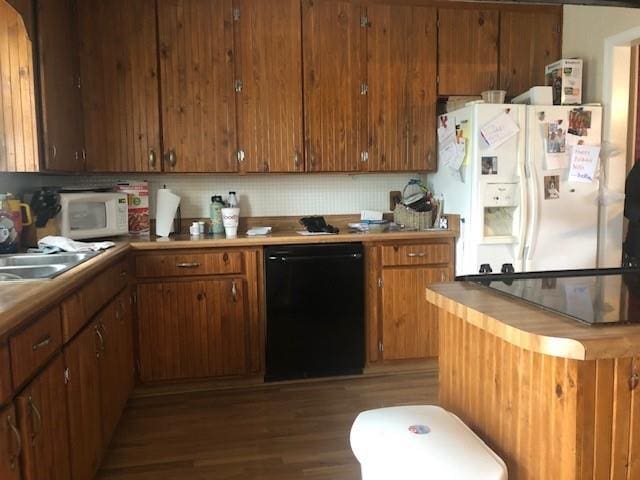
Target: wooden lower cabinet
[
  {"x": 83, "y": 402},
  {"x": 10, "y": 445},
  {"x": 409, "y": 322},
  {"x": 192, "y": 329},
  {"x": 401, "y": 324},
  {"x": 116, "y": 366},
  {"x": 43, "y": 420}
]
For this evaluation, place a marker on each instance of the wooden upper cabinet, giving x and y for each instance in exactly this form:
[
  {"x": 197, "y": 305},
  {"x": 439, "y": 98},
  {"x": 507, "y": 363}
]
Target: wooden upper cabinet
[
  {"x": 43, "y": 420},
  {"x": 334, "y": 66},
  {"x": 467, "y": 50},
  {"x": 61, "y": 101},
  {"x": 118, "y": 59},
  {"x": 18, "y": 132},
  {"x": 198, "y": 94},
  {"x": 270, "y": 101},
  {"x": 530, "y": 39},
  {"x": 401, "y": 78}
]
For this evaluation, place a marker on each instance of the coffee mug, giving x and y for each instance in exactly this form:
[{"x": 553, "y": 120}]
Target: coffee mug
[{"x": 230, "y": 220}]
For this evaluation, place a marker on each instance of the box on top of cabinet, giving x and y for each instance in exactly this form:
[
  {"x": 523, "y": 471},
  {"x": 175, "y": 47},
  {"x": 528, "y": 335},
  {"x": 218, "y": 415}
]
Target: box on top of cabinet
[{"x": 565, "y": 78}]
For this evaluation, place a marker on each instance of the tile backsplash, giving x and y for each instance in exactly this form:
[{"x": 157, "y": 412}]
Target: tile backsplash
[{"x": 260, "y": 195}]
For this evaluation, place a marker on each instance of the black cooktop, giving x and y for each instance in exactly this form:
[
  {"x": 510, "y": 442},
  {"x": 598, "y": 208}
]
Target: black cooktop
[{"x": 594, "y": 297}]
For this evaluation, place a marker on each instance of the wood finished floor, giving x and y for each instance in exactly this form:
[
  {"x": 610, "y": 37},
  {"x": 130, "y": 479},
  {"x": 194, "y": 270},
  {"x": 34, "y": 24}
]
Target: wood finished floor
[{"x": 283, "y": 432}]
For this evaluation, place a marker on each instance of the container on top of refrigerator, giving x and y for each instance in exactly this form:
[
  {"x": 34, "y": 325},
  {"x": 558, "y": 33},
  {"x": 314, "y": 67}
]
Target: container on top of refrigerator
[{"x": 565, "y": 78}]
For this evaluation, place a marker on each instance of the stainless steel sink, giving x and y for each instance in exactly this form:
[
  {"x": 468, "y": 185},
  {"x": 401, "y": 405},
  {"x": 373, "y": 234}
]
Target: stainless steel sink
[{"x": 35, "y": 266}]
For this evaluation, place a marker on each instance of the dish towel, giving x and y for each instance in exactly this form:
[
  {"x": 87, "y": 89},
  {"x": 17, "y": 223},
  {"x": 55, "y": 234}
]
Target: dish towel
[{"x": 53, "y": 244}]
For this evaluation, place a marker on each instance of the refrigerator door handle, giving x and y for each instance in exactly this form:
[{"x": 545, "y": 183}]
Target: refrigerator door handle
[
  {"x": 534, "y": 220},
  {"x": 524, "y": 208}
]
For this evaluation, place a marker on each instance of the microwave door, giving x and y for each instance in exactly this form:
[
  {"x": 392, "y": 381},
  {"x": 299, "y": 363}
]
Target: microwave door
[{"x": 85, "y": 216}]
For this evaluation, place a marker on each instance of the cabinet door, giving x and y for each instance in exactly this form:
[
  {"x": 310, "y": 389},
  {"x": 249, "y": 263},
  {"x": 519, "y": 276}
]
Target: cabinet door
[
  {"x": 61, "y": 101},
  {"x": 530, "y": 39},
  {"x": 270, "y": 102},
  {"x": 18, "y": 132},
  {"x": 401, "y": 73},
  {"x": 198, "y": 95},
  {"x": 116, "y": 362},
  {"x": 467, "y": 50},
  {"x": 10, "y": 445},
  {"x": 42, "y": 415},
  {"x": 118, "y": 60},
  {"x": 409, "y": 322},
  {"x": 334, "y": 71},
  {"x": 192, "y": 329},
  {"x": 83, "y": 402}
]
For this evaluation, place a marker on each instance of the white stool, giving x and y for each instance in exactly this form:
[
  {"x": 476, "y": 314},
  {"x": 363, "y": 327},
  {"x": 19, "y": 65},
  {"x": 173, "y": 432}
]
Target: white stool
[{"x": 421, "y": 443}]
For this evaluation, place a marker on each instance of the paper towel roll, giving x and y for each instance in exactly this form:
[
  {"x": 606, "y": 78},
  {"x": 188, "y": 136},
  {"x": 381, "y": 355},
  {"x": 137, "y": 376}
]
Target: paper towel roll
[{"x": 166, "y": 207}]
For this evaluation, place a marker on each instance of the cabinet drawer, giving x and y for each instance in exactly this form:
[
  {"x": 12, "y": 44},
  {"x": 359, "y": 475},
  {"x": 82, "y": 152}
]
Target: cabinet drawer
[
  {"x": 78, "y": 309},
  {"x": 33, "y": 346},
  {"x": 186, "y": 264},
  {"x": 417, "y": 254}
]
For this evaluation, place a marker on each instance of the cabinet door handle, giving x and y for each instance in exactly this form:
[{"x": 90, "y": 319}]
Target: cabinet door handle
[
  {"x": 442, "y": 277},
  {"x": 42, "y": 343},
  {"x": 188, "y": 265},
  {"x": 234, "y": 292},
  {"x": 101, "y": 345},
  {"x": 38, "y": 417},
  {"x": 413, "y": 254},
  {"x": 152, "y": 158},
  {"x": 13, "y": 457},
  {"x": 171, "y": 157}
]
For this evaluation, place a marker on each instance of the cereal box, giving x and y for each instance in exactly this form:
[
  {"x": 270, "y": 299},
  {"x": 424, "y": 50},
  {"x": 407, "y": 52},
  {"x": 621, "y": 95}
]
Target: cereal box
[
  {"x": 565, "y": 78},
  {"x": 138, "y": 206}
]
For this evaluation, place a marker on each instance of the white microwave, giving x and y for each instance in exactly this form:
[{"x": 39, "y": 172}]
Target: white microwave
[{"x": 93, "y": 215}]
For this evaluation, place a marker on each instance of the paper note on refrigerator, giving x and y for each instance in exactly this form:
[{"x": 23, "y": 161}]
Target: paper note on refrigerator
[
  {"x": 447, "y": 154},
  {"x": 583, "y": 161},
  {"x": 499, "y": 130}
]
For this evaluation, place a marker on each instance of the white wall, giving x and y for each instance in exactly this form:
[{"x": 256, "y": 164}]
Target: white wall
[
  {"x": 603, "y": 37},
  {"x": 584, "y": 31},
  {"x": 272, "y": 195}
]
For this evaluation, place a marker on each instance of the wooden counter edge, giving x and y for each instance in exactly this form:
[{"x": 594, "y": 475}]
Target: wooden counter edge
[{"x": 547, "y": 345}]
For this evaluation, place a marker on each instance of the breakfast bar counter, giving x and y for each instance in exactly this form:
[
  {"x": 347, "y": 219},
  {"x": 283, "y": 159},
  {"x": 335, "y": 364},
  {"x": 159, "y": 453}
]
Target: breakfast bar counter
[{"x": 555, "y": 398}]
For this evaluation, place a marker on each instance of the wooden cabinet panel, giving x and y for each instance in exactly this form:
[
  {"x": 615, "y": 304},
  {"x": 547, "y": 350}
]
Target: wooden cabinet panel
[
  {"x": 5, "y": 373},
  {"x": 83, "y": 402},
  {"x": 118, "y": 59},
  {"x": 198, "y": 96},
  {"x": 467, "y": 50},
  {"x": 18, "y": 132},
  {"x": 34, "y": 345},
  {"x": 116, "y": 362},
  {"x": 61, "y": 100},
  {"x": 401, "y": 77},
  {"x": 409, "y": 322},
  {"x": 78, "y": 308},
  {"x": 529, "y": 40},
  {"x": 43, "y": 420},
  {"x": 270, "y": 103},
  {"x": 10, "y": 444},
  {"x": 192, "y": 329},
  {"x": 188, "y": 264},
  {"x": 334, "y": 71},
  {"x": 418, "y": 254}
]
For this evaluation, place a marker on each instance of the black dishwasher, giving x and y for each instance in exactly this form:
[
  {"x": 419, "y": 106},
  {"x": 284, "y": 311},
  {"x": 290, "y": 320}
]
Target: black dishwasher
[{"x": 315, "y": 310}]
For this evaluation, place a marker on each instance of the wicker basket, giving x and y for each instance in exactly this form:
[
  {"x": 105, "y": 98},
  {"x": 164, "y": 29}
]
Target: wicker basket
[{"x": 403, "y": 215}]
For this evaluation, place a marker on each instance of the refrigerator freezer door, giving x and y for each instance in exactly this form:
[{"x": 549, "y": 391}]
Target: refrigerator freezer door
[{"x": 562, "y": 228}]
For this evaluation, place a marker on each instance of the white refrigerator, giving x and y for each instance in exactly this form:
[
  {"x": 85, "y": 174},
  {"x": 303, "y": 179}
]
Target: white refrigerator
[{"x": 519, "y": 208}]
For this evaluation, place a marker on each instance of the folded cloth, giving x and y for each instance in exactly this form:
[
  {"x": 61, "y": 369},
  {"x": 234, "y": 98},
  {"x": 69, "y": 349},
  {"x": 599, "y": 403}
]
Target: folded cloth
[{"x": 67, "y": 245}]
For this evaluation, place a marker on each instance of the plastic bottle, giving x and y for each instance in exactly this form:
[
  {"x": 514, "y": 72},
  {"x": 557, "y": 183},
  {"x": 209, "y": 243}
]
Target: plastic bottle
[
  {"x": 8, "y": 231},
  {"x": 215, "y": 210},
  {"x": 232, "y": 200}
]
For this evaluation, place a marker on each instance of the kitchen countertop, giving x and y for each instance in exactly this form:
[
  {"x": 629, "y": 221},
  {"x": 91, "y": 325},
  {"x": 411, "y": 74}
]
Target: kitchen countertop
[
  {"x": 22, "y": 301},
  {"x": 532, "y": 328}
]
